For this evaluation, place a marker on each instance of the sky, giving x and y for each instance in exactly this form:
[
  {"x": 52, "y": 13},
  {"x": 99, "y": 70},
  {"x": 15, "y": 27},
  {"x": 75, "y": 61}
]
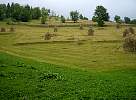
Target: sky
[{"x": 86, "y": 7}]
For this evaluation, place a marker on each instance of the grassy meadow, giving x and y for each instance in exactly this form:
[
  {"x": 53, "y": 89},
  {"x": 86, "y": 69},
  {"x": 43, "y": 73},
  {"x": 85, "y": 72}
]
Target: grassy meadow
[{"x": 70, "y": 66}]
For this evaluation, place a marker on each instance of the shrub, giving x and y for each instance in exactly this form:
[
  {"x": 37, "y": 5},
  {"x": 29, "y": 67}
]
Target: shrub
[
  {"x": 3, "y": 29},
  {"x": 90, "y": 31},
  {"x": 47, "y": 36},
  {"x": 63, "y": 19},
  {"x": 133, "y": 21},
  {"x": 9, "y": 21},
  {"x": 130, "y": 43}
]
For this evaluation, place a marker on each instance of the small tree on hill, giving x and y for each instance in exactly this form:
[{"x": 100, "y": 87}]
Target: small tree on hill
[
  {"x": 117, "y": 19},
  {"x": 127, "y": 20},
  {"x": 63, "y": 19},
  {"x": 45, "y": 14},
  {"x": 81, "y": 16},
  {"x": 85, "y": 18},
  {"x": 74, "y": 16},
  {"x": 101, "y": 15}
]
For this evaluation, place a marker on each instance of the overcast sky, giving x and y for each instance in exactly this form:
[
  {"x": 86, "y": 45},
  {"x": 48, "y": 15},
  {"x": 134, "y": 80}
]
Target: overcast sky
[{"x": 86, "y": 7}]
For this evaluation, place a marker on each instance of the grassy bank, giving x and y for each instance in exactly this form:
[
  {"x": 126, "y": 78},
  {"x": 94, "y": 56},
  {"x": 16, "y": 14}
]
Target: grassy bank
[{"x": 25, "y": 79}]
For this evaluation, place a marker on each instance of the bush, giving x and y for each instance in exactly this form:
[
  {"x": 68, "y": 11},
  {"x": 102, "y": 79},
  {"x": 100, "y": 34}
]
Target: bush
[
  {"x": 47, "y": 36},
  {"x": 90, "y": 31},
  {"x": 9, "y": 21},
  {"x": 133, "y": 21},
  {"x": 130, "y": 43},
  {"x": 63, "y": 19},
  {"x": 3, "y": 29}
]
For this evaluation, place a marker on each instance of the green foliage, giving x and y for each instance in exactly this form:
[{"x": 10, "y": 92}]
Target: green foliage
[
  {"x": 36, "y": 13},
  {"x": 101, "y": 15},
  {"x": 133, "y": 21},
  {"x": 2, "y": 11},
  {"x": 63, "y": 19},
  {"x": 8, "y": 11},
  {"x": 18, "y": 12},
  {"x": 43, "y": 19},
  {"x": 127, "y": 20},
  {"x": 9, "y": 21},
  {"x": 94, "y": 19},
  {"x": 117, "y": 19},
  {"x": 25, "y": 15},
  {"x": 45, "y": 14},
  {"x": 74, "y": 16},
  {"x": 85, "y": 18},
  {"x": 81, "y": 16}
]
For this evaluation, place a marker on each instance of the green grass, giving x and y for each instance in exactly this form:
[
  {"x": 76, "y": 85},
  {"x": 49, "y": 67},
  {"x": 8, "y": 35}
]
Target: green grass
[
  {"x": 103, "y": 51},
  {"x": 25, "y": 79},
  {"x": 32, "y": 68}
]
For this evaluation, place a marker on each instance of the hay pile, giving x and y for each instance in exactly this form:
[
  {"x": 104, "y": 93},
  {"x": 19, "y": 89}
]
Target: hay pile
[
  {"x": 47, "y": 36},
  {"x": 118, "y": 25},
  {"x": 90, "y": 31},
  {"x": 81, "y": 27},
  {"x": 3, "y": 29},
  {"x": 129, "y": 40},
  {"x": 125, "y": 32},
  {"x": 12, "y": 29},
  {"x": 55, "y": 29}
]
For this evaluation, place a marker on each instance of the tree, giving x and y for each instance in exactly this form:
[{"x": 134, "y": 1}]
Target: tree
[
  {"x": 36, "y": 13},
  {"x": 85, "y": 18},
  {"x": 127, "y": 20},
  {"x": 74, "y": 16},
  {"x": 16, "y": 11},
  {"x": 26, "y": 14},
  {"x": 81, "y": 16},
  {"x": 8, "y": 11},
  {"x": 94, "y": 19},
  {"x": 117, "y": 19},
  {"x": 2, "y": 11},
  {"x": 62, "y": 19},
  {"x": 101, "y": 15},
  {"x": 45, "y": 14}
]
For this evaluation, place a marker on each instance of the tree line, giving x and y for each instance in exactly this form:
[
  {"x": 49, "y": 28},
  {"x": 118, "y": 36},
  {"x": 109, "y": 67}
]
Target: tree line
[
  {"x": 19, "y": 13},
  {"x": 16, "y": 12}
]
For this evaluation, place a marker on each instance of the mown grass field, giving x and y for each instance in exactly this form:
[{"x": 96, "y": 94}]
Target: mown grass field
[{"x": 61, "y": 68}]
